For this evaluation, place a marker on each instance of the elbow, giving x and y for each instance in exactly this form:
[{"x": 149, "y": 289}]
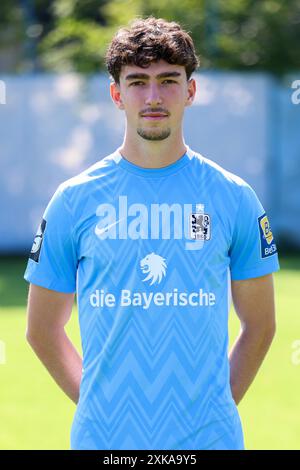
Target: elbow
[
  {"x": 33, "y": 336},
  {"x": 266, "y": 332},
  {"x": 37, "y": 335},
  {"x": 272, "y": 331},
  {"x": 29, "y": 335},
  {"x": 270, "y": 328}
]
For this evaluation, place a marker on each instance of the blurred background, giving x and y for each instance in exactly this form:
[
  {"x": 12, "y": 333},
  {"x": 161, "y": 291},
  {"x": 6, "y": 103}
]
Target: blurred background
[{"x": 57, "y": 118}]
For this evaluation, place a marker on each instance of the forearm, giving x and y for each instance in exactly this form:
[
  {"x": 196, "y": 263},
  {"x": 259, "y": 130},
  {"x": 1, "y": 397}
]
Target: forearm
[
  {"x": 62, "y": 360},
  {"x": 246, "y": 357}
]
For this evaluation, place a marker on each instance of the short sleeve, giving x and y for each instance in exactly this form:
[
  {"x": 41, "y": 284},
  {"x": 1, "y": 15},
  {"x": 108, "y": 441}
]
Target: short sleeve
[
  {"x": 52, "y": 261},
  {"x": 253, "y": 251}
]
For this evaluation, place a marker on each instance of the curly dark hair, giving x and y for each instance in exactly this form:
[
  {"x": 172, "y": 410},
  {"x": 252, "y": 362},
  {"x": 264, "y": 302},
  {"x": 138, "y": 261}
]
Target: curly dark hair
[{"x": 150, "y": 40}]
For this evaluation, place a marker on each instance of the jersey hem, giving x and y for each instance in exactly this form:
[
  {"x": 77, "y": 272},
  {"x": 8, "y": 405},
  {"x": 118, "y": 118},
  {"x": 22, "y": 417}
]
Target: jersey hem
[
  {"x": 49, "y": 284},
  {"x": 253, "y": 272}
]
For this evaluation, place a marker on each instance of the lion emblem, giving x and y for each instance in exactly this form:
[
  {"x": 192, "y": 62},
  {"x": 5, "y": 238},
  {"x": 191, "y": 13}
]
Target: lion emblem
[{"x": 155, "y": 266}]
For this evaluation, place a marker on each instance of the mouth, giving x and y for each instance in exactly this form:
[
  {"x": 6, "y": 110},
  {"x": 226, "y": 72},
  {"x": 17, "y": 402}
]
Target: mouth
[{"x": 154, "y": 116}]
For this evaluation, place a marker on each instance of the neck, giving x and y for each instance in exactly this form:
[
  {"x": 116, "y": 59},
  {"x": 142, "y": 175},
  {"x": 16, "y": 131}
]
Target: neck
[{"x": 152, "y": 154}]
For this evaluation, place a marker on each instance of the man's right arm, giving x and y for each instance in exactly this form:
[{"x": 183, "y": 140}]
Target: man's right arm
[{"x": 48, "y": 311}]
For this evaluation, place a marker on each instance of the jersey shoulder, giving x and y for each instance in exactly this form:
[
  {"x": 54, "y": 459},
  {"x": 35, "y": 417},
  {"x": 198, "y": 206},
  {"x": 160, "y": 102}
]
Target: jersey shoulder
[
  {"x": 93, "y": 174},
  {"x": 215, "y": 172}
]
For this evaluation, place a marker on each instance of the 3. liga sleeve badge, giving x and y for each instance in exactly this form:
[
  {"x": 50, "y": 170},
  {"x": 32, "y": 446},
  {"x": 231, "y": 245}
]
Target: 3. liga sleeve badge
[
  {"x": 267, "y": 244},
  {"x": 200, "y": 226}
]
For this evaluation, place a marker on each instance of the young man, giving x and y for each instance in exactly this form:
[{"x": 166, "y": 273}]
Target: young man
[{"x": 150, "y": 238}]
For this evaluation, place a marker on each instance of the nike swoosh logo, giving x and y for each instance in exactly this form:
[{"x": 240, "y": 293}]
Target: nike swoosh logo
[{"x": 100, "y": 231}]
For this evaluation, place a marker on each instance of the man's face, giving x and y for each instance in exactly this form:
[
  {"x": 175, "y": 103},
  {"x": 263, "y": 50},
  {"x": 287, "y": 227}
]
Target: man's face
[{"x": 153, "y": 98}]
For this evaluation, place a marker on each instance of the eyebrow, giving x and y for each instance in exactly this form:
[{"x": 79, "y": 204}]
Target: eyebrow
[{"x": 144, "y": 76}]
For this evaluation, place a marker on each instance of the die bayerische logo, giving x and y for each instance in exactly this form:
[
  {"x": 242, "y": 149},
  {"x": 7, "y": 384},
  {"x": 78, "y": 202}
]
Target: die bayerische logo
[{"x": 154, "y": 266}]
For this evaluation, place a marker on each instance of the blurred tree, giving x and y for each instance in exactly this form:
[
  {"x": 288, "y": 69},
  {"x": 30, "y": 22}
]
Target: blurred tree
[
  {"x": 228, "y": 34},
  {"x": 79, "y": 37},
  {"x": 239, "y": 34},
  {"x": 11, "y": 35},
  {"x": 261, "y": 35}
]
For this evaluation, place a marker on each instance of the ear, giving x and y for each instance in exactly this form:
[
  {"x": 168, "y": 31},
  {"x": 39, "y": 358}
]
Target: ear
[
  {"x": 115, "y": 94},
  {"x": 191, "y": 92}
]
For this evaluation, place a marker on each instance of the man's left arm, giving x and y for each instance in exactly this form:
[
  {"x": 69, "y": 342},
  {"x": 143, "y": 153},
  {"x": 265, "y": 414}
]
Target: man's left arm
[{"x": 254, "y": 304}]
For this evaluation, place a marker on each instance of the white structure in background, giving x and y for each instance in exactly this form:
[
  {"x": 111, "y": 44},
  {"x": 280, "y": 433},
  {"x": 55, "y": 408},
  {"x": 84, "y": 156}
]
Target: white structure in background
[{"x": 55, "y": 126}]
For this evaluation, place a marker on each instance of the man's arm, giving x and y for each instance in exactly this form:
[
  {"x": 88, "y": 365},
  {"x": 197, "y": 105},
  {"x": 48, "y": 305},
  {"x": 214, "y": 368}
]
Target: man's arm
[
  {"x": 47, "y": 313},
  {"x": 253, "y": 300}
]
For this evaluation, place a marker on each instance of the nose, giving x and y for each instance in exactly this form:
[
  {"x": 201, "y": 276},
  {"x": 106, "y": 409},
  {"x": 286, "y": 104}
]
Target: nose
[{"x": 153, "y": 97}]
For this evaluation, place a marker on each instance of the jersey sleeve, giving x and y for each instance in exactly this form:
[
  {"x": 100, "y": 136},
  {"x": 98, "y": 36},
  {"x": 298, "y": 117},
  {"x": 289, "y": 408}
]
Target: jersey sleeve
[
  {"x": 253, "y": 251},
  {"x": 52, "y": 261}
]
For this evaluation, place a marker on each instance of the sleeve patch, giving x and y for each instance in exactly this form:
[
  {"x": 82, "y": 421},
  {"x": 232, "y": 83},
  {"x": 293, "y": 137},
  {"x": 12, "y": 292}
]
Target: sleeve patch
[
  {"x": 37, "y": 242},
  {"x": 267, "y": 243}
]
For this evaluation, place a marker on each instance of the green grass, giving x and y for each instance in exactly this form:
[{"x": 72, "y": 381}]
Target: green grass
[{"x": 36, "y": 414}]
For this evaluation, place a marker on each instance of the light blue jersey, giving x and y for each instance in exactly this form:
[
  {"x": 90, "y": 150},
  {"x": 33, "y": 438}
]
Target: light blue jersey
[{"x": 150, "y": 252}]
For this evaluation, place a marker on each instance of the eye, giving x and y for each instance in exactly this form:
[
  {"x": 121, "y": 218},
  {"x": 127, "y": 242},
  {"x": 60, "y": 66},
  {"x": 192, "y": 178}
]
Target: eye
[
  {"x": 168, "y": 81},
  {"x": 136, "y": 83}
]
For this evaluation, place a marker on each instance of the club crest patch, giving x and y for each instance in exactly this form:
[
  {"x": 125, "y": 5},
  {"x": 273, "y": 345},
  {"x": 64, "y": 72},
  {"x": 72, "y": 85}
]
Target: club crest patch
[
  {"x": 200, "y": 226},
  {"x": 267, "y": 244},
  {"x": 37, "y": 242}
]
